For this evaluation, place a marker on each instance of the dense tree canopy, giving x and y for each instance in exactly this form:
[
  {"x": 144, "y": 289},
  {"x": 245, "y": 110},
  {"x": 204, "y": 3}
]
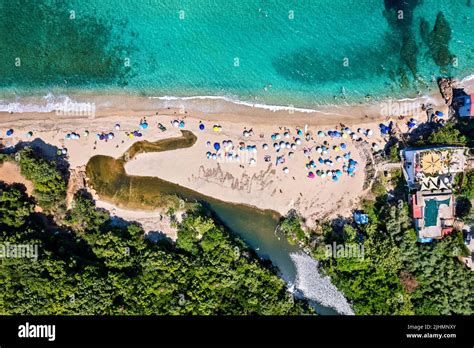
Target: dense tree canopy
[
  {"x": 89, "y": 263},
  {"x": 49, "y": 184},
  {"x": 446, "y": 135},
  {"x": 15, "y": 206},
  {"x": 393, "y": 274}
]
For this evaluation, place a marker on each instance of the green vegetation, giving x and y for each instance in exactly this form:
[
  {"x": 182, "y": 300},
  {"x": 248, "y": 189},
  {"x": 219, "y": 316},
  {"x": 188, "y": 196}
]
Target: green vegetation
[
  {"x": 444, "y": 283},
  {"x": 48, "y": 182},
  {"x": 394, "y": 153},
  {"x": 396, "y": 275},
  {"x": 379, "y": 186},
  {"x": 93, "y": 265},
  {"x": 15, "y": 206},
  {"x": 446, "y": 135},
  {"x": 463, "y": 206},
  {"x": 291, "y": 227},
  {"x": 465, "y": 188}
]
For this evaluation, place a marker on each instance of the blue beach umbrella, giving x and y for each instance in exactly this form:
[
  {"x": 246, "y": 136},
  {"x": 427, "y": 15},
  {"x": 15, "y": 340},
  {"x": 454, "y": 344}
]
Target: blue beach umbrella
[
  {"x": 384, "y": 129},
  {"x": 201, "y": 126},
  {"x": 439, "y": 114},
  {"x": 9, "y": 132},
  {"x": 217, "y": 146},
  {"x": 181, "y": 124}
]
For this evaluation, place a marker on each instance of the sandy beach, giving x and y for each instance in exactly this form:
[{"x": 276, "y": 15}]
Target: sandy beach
[
  {"x": 10, "y": 174},
  {"x": 261, "y": 183}
]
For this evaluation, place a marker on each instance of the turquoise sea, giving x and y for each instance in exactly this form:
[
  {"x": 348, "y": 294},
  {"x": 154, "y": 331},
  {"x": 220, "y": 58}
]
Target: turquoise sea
[{"x": 284, "y": 52}]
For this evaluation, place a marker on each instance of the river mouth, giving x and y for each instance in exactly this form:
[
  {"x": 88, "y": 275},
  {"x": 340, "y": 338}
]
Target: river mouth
[{"x": 256, "y": 227}]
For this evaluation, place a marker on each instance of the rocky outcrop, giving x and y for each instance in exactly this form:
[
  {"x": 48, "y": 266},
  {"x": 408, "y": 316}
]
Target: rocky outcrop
[{"x": 446, "y": 88}]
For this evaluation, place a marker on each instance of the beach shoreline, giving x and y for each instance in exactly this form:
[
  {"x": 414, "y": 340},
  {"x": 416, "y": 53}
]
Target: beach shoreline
[
  {"x": 105, "y": 101},
  {"x": 189, "y": 167},
  {"x": 210, "y": 108}
]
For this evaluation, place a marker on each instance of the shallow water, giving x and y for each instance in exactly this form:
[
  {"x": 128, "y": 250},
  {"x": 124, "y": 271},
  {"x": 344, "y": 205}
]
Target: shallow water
[{"x": 281, "y": 52}]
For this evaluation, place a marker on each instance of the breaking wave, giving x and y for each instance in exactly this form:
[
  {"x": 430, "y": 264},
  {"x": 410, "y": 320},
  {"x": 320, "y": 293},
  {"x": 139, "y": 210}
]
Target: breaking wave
[
  {"x": 237, "y": 102},
  {"x": 48, "y": 103}
]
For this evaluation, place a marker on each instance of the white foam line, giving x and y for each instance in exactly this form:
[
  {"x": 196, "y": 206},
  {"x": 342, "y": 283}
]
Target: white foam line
[
  {"x": 238, "y": 102},
  {"x": 467, "y": 78},
  {"x": 51, "y": 103}
]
